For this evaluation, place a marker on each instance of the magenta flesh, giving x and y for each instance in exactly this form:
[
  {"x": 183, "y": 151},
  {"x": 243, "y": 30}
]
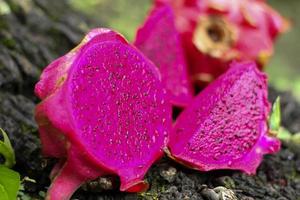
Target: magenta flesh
[
  {"x": 54, "y": 74},
  {"x": 226, "y": 125},
  {"x": 108, "y": 115},
  {"x": 159, "y": 40},
  {"x": 51, "y": 79}
]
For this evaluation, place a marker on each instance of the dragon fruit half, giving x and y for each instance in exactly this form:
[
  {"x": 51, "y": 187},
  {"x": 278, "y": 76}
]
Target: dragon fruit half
[
  {"x": 225, "y": 127},
  {"x": 215, "y": 32},
  {"x": 103, "y": 112},
  {"x": 160, "y": 41}
]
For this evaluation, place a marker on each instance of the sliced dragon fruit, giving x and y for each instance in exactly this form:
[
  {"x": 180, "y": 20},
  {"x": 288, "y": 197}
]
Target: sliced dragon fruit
[
  {"x": 105, "y": 111},
  {"x": 51, "y": 79},
  {"x": 226, "y": 125},
  {"x": 159, "y": 40},
  {"x": 215, "y": 32}
]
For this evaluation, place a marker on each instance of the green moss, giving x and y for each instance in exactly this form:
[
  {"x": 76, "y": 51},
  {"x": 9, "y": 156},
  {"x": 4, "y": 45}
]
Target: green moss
[{"x": 9, "y": 43}]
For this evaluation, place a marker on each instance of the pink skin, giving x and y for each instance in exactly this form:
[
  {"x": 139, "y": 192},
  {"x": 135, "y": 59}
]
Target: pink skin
[
  {"x": 225, "y": 127},
  {"x": 255, "y": 23},
  {"x": 107, "y": 115},
  {"x": 159, "y": 40}
]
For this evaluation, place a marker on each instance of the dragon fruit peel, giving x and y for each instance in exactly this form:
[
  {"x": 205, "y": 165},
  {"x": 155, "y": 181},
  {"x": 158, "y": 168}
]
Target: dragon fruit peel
[
  {"x": 158, "y": 39},
  {"x": 110, "y": 114},
  {"x": 226, "y": 125}
]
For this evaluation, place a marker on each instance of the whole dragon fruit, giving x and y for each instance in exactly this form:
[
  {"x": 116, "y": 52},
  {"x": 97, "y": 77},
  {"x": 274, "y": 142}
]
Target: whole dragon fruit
[
  {"x": 215, "y": 32},
  {"x": 103, "y": 112},
  {"x": 225, "y": 127},
  {"x": 159, "y": 40}
]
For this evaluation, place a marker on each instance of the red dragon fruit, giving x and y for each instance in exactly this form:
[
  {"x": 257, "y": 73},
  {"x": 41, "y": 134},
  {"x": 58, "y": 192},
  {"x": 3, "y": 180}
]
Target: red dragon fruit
[
  {"x": 160, "y": 41},
  {"x": 225, "y": 127},
  {"x": 103, "y": 112},
  {"x": 215, "y": 32}
]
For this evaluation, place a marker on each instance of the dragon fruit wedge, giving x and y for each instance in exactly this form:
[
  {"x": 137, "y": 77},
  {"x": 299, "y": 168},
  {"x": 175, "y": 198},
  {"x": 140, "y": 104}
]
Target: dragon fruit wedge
[
  {"x": 160, "y": 41},
  {"x": 103, "y": 112},
  {"x": 225, "y": 127},
  {"x": 215, "y": 32}
]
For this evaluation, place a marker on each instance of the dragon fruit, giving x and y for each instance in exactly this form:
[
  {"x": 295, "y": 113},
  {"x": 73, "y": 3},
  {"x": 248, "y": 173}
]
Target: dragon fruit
[
  {"x": 160, "y": 41},
  {"x": 215, "y": 32},
  {"x": 225, "y": 127},
  {"x": 103, "y": 112}
]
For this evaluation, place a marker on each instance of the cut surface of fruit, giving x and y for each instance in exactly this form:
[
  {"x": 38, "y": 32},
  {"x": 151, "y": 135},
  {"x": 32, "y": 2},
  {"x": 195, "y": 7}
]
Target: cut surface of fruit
[
  {"x": 226, "y": 125},
  {"x": 109, "y": 115}
]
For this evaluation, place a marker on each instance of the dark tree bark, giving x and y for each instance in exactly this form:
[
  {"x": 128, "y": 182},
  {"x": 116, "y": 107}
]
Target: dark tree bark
[{"x": 32, "y": 34}]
